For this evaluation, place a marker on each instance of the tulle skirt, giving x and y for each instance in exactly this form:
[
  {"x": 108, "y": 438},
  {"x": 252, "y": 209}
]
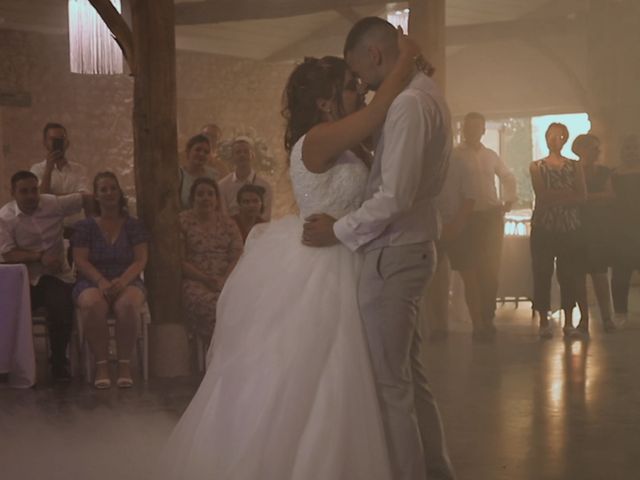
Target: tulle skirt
[{"x": 289, "y": 392}]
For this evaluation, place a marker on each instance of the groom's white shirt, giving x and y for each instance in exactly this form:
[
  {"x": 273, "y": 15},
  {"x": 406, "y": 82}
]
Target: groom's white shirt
[{"x": 399, "y": 208}]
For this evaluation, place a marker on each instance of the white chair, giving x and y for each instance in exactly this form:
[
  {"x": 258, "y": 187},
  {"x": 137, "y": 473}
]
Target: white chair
[
  {"x": 40, "y": 327},
  {"x": 142, "y": 344}
]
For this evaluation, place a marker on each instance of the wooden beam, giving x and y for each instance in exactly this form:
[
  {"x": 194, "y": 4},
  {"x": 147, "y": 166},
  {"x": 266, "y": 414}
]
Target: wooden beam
[
  {"x": 119, "y": 29},
  {"x": 460, "y": 35},
  {"x": 349, "y": 14},
  {"x": 156, "y": 151},
  {"x": 294, "y": 50},
  {"x": 217, "y": 11}
]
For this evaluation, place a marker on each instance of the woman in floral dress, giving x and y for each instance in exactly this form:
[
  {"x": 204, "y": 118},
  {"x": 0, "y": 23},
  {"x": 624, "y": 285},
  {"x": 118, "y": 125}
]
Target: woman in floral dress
[{"x": 212, "y": 245}]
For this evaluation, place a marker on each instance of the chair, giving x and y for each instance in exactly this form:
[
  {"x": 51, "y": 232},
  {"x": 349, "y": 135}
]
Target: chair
[
  {"x": 40, "y": 328},
  {"x": 142, "y": 344}
]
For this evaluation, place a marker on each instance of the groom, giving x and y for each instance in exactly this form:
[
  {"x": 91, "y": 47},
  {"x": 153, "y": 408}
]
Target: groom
[{"x": 396, "y": 228}]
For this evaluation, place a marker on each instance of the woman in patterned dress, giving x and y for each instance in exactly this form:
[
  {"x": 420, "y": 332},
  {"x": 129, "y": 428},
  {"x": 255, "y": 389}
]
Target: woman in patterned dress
[
  {"x": 556, "y": 237},
  {"x": 212, "y": 245}
]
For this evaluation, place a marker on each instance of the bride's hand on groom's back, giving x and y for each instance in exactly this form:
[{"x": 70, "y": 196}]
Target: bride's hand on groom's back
[{"x": 318, "y": 231}]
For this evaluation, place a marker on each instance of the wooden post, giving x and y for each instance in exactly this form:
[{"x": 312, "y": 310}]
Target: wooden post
[
  {"x": 149, "y": 47},
  {"x": 427, "y": 27},
  {"x": 156, "y": 152}
]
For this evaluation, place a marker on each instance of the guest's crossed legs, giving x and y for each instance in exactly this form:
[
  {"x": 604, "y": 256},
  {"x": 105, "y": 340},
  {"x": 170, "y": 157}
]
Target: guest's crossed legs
[{"x": 391, "y": 284}]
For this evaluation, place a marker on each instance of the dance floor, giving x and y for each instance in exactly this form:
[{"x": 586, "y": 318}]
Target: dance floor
[{"x": 517, "y": 409}]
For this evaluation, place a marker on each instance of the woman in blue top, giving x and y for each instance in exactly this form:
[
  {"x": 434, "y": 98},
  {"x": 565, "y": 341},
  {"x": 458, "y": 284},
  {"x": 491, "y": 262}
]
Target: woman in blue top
[{"x": 110, "y": 252}]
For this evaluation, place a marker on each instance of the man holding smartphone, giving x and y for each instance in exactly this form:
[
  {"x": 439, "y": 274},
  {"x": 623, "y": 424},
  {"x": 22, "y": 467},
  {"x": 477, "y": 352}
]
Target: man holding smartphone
[{"x": 56, "y": 173}]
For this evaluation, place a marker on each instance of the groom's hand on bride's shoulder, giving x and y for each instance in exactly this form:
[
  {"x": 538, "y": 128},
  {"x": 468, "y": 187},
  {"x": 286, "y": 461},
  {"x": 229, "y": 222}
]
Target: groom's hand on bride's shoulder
[{"x": 318, "y": 231}]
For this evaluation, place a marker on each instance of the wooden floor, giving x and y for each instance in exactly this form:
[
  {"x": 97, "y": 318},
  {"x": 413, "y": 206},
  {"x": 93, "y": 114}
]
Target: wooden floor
[{"x": 517, "y": 409}]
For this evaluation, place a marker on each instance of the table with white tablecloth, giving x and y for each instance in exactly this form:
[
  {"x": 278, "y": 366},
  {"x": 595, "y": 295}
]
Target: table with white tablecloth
[{"x": 17, "y": 357}]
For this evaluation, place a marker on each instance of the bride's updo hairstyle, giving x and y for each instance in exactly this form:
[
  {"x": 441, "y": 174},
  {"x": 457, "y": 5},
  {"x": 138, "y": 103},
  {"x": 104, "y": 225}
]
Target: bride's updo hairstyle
[{"x": 311, "y": 80}]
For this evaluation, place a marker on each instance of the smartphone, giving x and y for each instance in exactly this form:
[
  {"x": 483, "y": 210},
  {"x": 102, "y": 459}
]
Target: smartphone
[{"x": 57, "y": 144}]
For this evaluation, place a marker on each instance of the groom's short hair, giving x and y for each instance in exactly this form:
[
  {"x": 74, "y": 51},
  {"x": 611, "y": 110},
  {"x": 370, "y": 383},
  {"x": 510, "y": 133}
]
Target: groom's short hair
[{"x": 367, "y": 26}]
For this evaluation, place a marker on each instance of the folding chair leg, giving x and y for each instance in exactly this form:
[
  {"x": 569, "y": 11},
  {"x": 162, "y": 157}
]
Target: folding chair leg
[{"x": 88, "y": 361}]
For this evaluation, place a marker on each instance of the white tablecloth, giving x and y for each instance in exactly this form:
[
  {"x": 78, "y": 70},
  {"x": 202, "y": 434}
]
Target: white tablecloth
[{"x": 17, "y": 356}]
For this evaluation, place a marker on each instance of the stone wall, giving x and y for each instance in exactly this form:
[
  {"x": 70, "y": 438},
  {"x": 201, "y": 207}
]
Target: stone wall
[{"x": 236, "y": 94}]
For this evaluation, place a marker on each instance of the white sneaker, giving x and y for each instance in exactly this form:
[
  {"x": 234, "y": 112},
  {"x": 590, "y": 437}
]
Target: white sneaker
[{"x": 546, "y": 332}]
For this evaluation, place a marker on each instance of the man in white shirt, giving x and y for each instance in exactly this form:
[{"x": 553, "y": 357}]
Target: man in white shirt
[
  {"x": 485, "y": 229},
  {"x": 396, "y": 228},
  {"x": 31, "y": 233},
  {"x": 455, "y": 204},
  {"x": 242, "y": 155},
  {"x": 57, "y": 174}
]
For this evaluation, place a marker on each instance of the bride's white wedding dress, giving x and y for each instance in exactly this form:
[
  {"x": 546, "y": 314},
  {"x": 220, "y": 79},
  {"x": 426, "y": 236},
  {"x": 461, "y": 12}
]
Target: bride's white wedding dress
[{"x": 289, "y": 393}]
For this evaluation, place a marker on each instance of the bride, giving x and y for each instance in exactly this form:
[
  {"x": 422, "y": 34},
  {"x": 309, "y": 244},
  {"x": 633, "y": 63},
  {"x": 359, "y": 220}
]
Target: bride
[{"x": 289, "y": 393}]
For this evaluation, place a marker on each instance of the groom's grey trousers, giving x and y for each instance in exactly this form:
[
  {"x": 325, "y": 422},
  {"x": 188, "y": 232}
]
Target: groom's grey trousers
[{"x": 392, "y": 281}]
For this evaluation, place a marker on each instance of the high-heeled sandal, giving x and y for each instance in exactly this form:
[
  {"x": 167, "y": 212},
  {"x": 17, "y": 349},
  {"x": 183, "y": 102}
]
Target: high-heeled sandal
[
  {"x": 102, "y": 383},
  {"x": 124, "y": 382}
]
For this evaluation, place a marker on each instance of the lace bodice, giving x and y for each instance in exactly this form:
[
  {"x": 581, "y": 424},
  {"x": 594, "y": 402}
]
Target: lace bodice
[{"x": 336, "y": 192}]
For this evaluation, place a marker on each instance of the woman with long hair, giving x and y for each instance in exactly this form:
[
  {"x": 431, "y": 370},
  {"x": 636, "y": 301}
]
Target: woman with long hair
[
  {"x": 211, "y": 247},
  {"x": 110, "y": 252}
]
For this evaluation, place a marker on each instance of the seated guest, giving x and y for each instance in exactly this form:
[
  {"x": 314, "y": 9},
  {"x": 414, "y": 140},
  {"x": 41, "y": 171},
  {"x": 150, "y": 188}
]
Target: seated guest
[
  {"x": 212, "y": 245},
  {"x": 110, "y": 252},
  {"x": 198, "y": 154},
  {"x": 31, "y": 233},
  {"x": 241, "y": 156},
  {"x": 251, "y": 204},
  {"x": 626, "y": 219}
]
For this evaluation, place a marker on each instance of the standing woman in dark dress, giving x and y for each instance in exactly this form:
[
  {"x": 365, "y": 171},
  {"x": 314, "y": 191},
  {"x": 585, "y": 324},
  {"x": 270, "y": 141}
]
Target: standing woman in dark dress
[
  {"x": 626, "y": 185},
  {"x": 596, "y": 224},
  {"x": 560, "y": 190}
]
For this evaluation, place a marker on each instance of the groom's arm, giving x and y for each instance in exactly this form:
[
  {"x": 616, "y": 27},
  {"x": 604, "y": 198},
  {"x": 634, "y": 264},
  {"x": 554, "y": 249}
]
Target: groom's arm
[{"x": 406, "y": 132}]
